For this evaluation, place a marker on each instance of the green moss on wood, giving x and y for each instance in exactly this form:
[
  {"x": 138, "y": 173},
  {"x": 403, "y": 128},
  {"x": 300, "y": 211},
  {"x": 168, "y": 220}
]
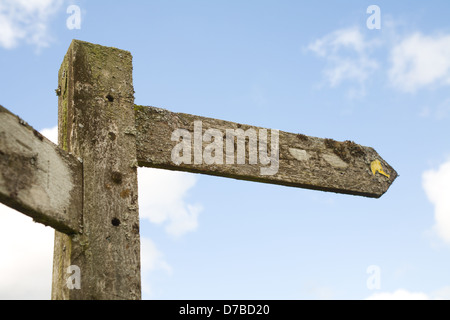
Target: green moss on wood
[{"x": 139, "y": 107}]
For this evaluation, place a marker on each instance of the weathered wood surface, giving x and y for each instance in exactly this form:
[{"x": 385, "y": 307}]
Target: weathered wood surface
[
  {"x": 38, "y": 178},
  {"x": 305, "y": 162},
  {"x": 96, "y": 123}
]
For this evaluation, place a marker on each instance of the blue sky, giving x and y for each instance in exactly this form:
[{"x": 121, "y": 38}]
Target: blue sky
[{"x": 313, "y": 68}]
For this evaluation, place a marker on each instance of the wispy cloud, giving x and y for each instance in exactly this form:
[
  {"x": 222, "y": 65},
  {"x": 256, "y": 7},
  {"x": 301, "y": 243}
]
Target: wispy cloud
[
  {"x": 347, "y": 54},
  {"x": 414, "y": 60},
  {"x": 26, "y": 20},
  {"x": 151, "y": 260},
  {"x": 438, "y": 112},
  {"x": 419, "y": 61}
]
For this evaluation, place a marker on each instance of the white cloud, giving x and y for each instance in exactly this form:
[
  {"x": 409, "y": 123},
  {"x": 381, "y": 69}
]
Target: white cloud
[
  {"x": 399, "y": 294},
  {"x": 344, "y": 38},
  {"x": 442, "y": 294},
  {"x": 26, "y": 257},
  {"x": 348, "y": 57},
  {"x": 416, "y": 60},
  {"x": 437, "y": 188},
  {"x": 161, "y": 199},
  {"x": 26, "y": 253},
  {"x": 151, "y": 260},
  {"x": 402, "y": 294},
  {"x": 51, "y": 134},
  {"x": 319, "y": 292},
  {"x": 26, "y": 20},
  {"x": 419, "y": 61}
]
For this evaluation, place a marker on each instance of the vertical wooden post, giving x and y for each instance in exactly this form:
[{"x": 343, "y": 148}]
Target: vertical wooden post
[{"x": 96, "y": 123}]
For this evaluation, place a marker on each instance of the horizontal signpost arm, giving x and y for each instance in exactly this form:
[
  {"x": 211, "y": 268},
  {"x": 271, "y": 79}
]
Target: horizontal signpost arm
[
  {"x": 185, "y": 142},
  {"x": 38, "y": 178}
]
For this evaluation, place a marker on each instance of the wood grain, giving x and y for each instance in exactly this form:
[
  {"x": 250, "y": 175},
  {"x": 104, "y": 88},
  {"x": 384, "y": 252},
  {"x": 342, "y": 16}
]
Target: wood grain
[
  {"x": 38, "y": 178},
  {"x": 304, "y": 161},
  {"x": 95, "y": 116}
]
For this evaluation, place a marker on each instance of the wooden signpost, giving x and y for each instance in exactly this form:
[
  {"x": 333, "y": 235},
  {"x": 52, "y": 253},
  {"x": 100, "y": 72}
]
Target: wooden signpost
[{"x": 86, "y": 188}]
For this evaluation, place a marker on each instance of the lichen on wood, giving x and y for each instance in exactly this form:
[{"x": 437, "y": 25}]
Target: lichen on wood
[
  {"x": 37, "y": 178},
  {"x": 305, "y": 162},
  {"x": 95, "y": 111}
]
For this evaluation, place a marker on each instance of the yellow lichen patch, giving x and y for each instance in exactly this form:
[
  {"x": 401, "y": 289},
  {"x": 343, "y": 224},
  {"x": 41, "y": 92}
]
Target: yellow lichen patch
[
  {"x": 125, "y": 193},
  {"x": 376, "y": 167}
]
